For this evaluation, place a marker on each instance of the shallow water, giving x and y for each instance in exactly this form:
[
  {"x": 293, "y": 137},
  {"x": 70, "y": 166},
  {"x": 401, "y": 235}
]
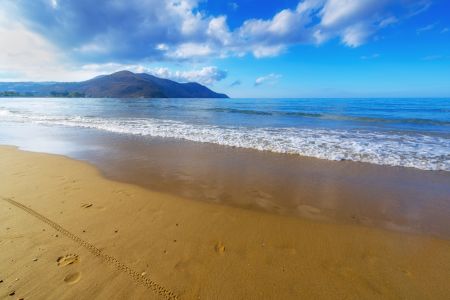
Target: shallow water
[
  {"x": 395, "y": 198},
  {"x": 397, "y": 132}
]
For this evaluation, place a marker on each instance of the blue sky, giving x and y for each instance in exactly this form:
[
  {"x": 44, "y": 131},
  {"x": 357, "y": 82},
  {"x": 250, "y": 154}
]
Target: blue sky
[{"x": 247, "y": 48}]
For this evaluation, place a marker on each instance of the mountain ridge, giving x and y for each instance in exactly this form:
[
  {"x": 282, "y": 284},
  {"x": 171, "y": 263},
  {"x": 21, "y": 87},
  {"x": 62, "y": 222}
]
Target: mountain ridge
[{"x": 121, "y": 84}]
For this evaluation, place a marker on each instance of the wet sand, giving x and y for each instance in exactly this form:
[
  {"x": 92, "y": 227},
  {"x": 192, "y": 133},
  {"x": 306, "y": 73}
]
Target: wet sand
[
  {"x": 66, "y": 232},
  {"x": 344, "y": 192},
  {"x": 394, "y": 198}
]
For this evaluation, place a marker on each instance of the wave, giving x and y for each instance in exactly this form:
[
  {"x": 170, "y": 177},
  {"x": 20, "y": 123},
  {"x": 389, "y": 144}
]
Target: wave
[
  {"x": 5, "y": 113},
  {"x": 406, "y": 150},
  {"x": 239, "y": 111},
  {"x": 418, "y": 121}
]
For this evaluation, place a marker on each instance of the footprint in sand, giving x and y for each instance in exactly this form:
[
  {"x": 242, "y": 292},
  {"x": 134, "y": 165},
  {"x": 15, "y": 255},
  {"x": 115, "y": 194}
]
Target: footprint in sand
[
  {"x": 86, "y": 205},
  {"x": 66, "y": 260},
  {"x": 220, "y": 248},
  {"x": 72, "y": 278}
]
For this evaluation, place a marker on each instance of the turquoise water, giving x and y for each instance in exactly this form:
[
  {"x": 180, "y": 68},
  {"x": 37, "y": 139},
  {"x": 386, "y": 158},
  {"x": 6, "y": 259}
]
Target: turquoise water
[{"x": 398, "y": 132}]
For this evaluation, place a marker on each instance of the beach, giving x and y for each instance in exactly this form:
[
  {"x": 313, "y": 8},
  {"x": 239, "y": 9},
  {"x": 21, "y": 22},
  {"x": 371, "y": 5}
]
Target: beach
[
  {"x": 389, "y": 197},
  {"x": 194, "y": 149},
  {"x": 101, "y": 235},
  {"x": 205, "y": 199}
]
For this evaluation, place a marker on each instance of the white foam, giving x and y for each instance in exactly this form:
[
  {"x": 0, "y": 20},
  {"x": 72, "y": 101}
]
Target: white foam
[
  {"x": 407, "y": 150},
  {"x": 5, "y": 113}
]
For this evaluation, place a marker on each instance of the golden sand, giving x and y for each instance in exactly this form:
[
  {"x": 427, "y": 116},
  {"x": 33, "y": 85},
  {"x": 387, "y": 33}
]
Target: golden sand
[{"x": 68, "y": 233}]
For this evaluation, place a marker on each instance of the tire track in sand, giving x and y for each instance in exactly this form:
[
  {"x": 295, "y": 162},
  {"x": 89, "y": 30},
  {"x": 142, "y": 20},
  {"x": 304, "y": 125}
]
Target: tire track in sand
[{"x": 139, "y": 278}]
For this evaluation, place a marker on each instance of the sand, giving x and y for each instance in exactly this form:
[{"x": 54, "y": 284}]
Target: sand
[{"x": 68, "y": 233}]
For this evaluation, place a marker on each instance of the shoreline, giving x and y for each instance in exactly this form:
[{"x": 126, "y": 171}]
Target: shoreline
[
  {"x": 394, "y": 198},
  {"x": 191, "y": 248},
  {"x": 307, "y": 213},
  {"x": 387, "y": 137}
]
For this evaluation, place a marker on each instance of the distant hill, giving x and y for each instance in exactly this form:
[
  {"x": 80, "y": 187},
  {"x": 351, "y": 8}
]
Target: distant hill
[{"x": 123, "y": 84}]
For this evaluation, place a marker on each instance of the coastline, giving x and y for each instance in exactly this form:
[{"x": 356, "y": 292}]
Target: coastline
[
  {"x": 394, "y": 198},
  {"x": 194, "y": 249}
]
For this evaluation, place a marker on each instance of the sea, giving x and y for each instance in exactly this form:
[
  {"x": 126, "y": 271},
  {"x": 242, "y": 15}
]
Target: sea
[{"x": 401, "y": 132}]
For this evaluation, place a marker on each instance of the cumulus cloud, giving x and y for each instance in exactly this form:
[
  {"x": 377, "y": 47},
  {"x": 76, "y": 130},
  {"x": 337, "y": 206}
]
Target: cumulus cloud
[
  {"x": 356, "y": 21},
  {"x": 108, "y": 30},
  {"x": 26, "y": 55},
  {"x": 317, "y": 21},
  {"x": 175, "y": 29},
  {"x": 268, "y": 79},
  {"x": 206, "y": 75},
  {"x": 52, "y": 33}
]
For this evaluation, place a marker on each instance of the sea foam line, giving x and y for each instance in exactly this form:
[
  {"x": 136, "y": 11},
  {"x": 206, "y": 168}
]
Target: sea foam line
[{"x": 406, "y": 150}]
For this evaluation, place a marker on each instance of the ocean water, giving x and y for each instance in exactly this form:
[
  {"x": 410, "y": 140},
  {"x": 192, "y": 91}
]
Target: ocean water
[{"x": 398, "y": 132}]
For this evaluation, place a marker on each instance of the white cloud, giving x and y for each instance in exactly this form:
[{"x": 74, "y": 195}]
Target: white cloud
[
  {"x": 25, "y": 55},
  {"x": 268, "y": 51},
  {"x": 426, "y": 28},
  {"x": 388, "y": 21},
  {"x": 218, "y": 30},
  {"x": 316, "y": 21},
  {"x": 271, "y": 37},
  {"x": 337, "y": 13},
  {"x": 107, "y": 68},
  {"x": 49, "y": 34},
  {"x": 175, "y": 29},
  {"x": 190, "y": 50},
  {"x": 355, "y": 36},
  {"x": 355, "y": 21},
  {"x": 268, "y": 79},
  {"x": 162, "y": 47},
  {"x": 54, "y": 3},
  {"x": 206, "y": 75}
]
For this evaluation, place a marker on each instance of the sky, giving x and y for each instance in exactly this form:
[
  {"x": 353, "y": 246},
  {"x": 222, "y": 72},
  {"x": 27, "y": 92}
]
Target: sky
[{"x": 246, "y": 48}]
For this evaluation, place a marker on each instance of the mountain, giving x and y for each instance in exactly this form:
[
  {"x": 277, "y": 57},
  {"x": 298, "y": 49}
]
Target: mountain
[{"x": 122, "y": 84}]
